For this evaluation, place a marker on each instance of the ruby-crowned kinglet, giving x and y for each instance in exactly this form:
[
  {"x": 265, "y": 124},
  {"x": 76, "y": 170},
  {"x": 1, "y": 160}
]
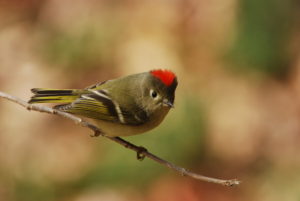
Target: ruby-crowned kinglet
[{"x": 121, "y": 107}]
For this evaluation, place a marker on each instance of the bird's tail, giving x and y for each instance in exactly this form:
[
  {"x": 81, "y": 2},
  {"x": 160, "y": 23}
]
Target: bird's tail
[{"x": 42, "y": 95}]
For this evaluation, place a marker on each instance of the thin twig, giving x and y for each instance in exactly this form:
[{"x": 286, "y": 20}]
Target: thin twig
[{"x": 142, "y": 152}]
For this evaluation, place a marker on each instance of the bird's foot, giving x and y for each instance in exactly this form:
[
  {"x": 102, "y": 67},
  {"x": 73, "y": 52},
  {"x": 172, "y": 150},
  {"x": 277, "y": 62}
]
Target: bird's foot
[{"x": 140, "y": 153}]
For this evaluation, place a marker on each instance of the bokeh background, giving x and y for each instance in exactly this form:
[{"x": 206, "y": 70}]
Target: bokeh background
[{"x": 237, "y": 111}]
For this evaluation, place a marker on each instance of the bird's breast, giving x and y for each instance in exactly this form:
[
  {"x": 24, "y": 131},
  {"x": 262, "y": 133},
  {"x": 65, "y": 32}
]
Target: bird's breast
[{"x": 118, "y": 129}]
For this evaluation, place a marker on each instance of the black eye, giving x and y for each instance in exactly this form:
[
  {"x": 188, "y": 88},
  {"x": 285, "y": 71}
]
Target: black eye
[{"x": 153, "y": 94}]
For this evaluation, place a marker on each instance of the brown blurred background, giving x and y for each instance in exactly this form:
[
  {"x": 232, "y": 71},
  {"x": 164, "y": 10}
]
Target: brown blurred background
[{"x": 237, "y": 111}]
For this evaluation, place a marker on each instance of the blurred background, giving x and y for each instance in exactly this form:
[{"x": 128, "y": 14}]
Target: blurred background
[{"x": 237, "y": 111}]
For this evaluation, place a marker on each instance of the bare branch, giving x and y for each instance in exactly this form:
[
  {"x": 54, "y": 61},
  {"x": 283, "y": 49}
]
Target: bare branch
[{"x": 141, "y": 152}]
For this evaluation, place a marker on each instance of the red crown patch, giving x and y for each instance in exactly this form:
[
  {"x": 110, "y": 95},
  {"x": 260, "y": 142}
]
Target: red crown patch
[{"x": 166, "y": 76}]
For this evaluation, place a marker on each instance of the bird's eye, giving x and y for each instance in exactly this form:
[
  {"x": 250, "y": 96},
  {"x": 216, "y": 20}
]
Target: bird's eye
[{"x": 153, "y": 93}]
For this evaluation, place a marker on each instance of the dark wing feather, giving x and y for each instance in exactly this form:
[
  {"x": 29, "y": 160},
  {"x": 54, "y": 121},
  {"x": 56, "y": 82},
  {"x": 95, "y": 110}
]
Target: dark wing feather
[
  {"x": 101, "y": 108},
  {"x": 88, "y": 106},
  {"x": 136, "y": 117}
]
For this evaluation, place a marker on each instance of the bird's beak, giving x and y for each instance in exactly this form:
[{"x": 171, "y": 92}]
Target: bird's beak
[{"x": 167, "y": 103}]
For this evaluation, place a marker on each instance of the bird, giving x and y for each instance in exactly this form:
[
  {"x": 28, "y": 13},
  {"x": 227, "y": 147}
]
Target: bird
[{"x": 124, "y": 106}]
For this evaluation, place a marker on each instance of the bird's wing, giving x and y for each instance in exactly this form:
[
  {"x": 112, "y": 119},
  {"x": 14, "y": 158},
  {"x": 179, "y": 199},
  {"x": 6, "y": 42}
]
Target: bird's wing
[{"x": 97, "y": 104}]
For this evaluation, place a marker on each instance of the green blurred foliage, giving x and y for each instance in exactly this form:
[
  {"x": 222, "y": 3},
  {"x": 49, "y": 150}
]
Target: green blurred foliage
[
  {"x": 262, "y": 39},
  {"x": 27, "y": 190}
]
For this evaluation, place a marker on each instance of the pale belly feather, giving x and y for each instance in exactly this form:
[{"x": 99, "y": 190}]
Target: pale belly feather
[{"x": 117, "y": 129}]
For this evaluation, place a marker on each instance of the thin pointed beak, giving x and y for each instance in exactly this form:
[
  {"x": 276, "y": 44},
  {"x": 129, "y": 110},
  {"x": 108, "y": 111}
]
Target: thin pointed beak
[{"x": 167, "y": 103}]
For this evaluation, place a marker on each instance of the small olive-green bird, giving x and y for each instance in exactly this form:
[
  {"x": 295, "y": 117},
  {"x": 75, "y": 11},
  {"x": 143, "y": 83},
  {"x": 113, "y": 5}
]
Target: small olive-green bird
[{"x": 121, "y": 107}]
